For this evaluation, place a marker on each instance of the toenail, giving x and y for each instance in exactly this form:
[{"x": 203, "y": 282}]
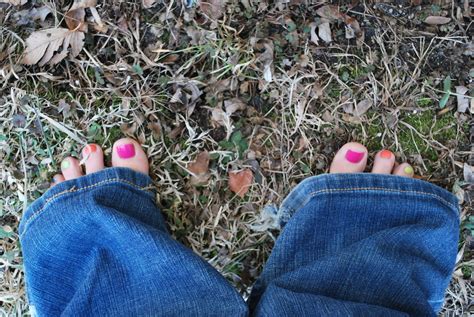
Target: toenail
[
  {"x": 126, "y": 151},
  {"x": 65, "y": 164},
  {"x": 408, "y": 170},
  {"x": 91, "y": 148},
  {"x": 354, "y": 157},
  {"x": 386, "y": 154}
]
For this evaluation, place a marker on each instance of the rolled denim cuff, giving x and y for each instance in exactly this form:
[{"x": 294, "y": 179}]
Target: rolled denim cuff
[
  {"x": 371, "y": 184},
  {"x": 117, "y": 176}
]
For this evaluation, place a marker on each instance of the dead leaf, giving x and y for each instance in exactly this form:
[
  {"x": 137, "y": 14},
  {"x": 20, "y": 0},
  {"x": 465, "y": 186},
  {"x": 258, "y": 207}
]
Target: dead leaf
[
  {"x": 462, "y": 99},
  {"x": 233, "y": 105},
  {"x": 468, "y": 172},
  {"x": 222, "y": 118},
  {"x": 214, "y": 9},
  {"x": 200, "y": 169},
  {"x": 42, "y": 45},
  {"x": 82, "y": 4},
  {"x": 330, "y": 12},
  {"x": 362, "y": 107},
  {"x": 75, "y": 20},
  {"x": 314, "y": 36},
  {"x": 148, "y": 3},
  {"x": 14, "y": 2},
  {"x": 25, "y": 17},
  {"x": 324, "y": 32},
  {"x": 437, "y": 20},
  {"x": 265, "y": 58},
  {"x": 240, "y": 182}
]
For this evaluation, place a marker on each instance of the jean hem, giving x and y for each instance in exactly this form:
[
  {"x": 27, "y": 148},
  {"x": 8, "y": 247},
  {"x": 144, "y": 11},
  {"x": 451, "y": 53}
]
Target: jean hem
[
  {"x": 109, "y": 176},
  {"x": 311, "y": 187}
]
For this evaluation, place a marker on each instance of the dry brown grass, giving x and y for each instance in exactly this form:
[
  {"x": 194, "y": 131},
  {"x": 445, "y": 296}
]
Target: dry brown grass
[{"x": 124, "y": 81}]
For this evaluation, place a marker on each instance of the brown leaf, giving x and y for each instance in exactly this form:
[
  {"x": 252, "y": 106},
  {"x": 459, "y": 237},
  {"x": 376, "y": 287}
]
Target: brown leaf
[
  {"x": 42, "y": 45},
  {"x": 233, "y": 105},
  {"x": 214, "y": 9},
  {"x": 362, "y": 107},
  {"x": 437, "y": 20},
  {"x": 330, "y": 12},
  {"x": 75, "y": 20},
  {"x": 148, "y": 3},
  {"x": 200, "y": 169},
  {"x": 82, "y": 4},
  {"x": 240, "y": 182}
]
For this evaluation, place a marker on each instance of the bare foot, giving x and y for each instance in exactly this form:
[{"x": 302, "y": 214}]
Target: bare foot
[
  {"x": 352, "y": 158},
  {"x": 126, "y": 153}
]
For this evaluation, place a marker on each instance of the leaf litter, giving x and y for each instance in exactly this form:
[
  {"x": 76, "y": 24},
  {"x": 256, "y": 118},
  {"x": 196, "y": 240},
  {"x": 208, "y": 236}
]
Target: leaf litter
[{"x": 232, "y": 99}]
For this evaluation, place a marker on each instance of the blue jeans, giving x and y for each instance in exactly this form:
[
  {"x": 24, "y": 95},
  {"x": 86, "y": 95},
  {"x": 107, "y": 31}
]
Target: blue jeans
[{"x": 352, "y": 245}]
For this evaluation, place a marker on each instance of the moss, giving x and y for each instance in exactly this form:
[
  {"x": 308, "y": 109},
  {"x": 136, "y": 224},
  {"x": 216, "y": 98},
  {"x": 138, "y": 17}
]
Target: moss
[{"x": 441, "y": 129}]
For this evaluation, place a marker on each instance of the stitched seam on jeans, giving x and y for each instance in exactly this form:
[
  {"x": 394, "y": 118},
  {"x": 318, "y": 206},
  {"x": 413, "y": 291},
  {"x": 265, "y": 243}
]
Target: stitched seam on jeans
[
  {"x": 73, "y": 190},
  {"x": 355, "y": 189}
]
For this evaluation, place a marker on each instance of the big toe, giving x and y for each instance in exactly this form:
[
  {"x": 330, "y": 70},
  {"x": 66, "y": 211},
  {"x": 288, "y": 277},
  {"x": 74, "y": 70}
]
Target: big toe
[
  {"x": 129, "y": 153},
  {"x": 351, "y": 158},
  {"x": 93, "y": 158}
]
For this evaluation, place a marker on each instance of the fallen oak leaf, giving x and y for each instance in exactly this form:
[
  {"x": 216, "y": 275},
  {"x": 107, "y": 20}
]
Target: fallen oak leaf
[
  {"x": 240, "y": 182},
  {"x": 200, "y": 169}
]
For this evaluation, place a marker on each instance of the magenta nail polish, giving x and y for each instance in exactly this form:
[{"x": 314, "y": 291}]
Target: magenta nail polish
[
  {"x": 354, "y": 157},
  {"x": 126, "y": 151}
]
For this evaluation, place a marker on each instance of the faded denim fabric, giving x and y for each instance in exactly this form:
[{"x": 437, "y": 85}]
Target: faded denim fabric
[{"x": 352, "y": 245}]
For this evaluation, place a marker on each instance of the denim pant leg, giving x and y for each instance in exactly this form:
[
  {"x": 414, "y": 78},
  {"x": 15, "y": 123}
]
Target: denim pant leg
[
  {"x": 360, "y": 245},
  {"x": 98, "y": 246}
]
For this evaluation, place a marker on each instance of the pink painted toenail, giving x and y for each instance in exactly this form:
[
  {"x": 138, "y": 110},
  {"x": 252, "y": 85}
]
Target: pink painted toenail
[
  {"x": 354, "y": 157},
  {"x": 126, "y": 151}
]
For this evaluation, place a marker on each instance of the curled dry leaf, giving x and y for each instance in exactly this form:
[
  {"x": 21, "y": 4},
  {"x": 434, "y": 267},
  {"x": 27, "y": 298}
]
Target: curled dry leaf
[
  {"x": 75, "y": 20},
  {"x": 42, "y": 45},
  {"x": 200, "y": 169},
  {"x": 240, "y": 182},
  {"x": 437, "y": 20}
]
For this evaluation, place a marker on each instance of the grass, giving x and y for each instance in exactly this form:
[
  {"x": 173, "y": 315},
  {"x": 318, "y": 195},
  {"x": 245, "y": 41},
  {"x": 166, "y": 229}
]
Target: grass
[{"x": 290, "y": 127}]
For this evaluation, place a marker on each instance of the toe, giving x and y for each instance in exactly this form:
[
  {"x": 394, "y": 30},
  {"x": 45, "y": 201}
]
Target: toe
[
  {"x": 383, "y": 163},
  {"x": 351, "y": 158},
  {"x": 70, "y": 168},
  {"x": 93, "y": 158},
  {"x": 129, "y": 153},
  {"x": 404, "y": 169},
  {"x": 58, "y": 178}
]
